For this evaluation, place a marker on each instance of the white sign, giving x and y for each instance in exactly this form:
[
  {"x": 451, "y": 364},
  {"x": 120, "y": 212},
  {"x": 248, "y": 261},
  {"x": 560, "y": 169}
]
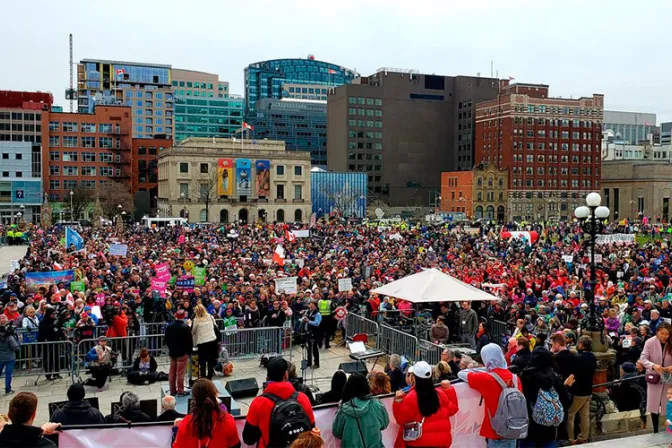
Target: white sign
[
  {"x": 118, "y": 249},
  {"x": 344, "y": 284},
  {"x": 299, "y": 262},
  {"x": 568, "y": 258},
  {"x": 301, "y": 233},
  {"x": 13, "y": 266},
  {"x": 615, "y": 238},
  {"x": 598, "y": 258},
  {"x": 286, "y": 285}
]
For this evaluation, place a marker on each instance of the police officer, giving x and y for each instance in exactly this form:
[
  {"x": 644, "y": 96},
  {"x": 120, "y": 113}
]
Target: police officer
[
  {"x": 10, "y": 237},
  {"x": 312, "y": 319},
  {"x": 326, "y": 307}
]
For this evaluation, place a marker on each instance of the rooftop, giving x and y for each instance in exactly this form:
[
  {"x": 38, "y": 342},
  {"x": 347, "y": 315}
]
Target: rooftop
[{"x": 137, "y": 64}]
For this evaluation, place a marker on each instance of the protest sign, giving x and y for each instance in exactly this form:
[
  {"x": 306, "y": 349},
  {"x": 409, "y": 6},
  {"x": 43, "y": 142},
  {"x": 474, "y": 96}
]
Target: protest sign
[
  {"x": 301, "y": 233},
  {"x": 77, "y": 286},
  {"x": 159, "y": 285},
  {"x": 568, "y": 258},
  {"x": 162, "y": 271},
  {"x": 36, "y": 279},
  {"x": 119, "y": 250},
  {"x": 615, "y": 238},
  {"x": 185, "y": 283},
  {"x": 13, "y": 266},
  {"x": 286, "y": 285},
  {"x": 344, "y": 284},
  {"x": 199, "y": 276}
]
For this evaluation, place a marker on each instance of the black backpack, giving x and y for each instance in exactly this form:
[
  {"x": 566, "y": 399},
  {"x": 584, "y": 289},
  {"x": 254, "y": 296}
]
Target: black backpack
[{"x": 288, "y": 420}]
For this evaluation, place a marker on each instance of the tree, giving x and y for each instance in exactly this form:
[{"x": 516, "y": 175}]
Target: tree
[
  {"x": 82, "y": 198},
  {"x": 206, "y": 186},
  {"x": 113, "y": 194}
]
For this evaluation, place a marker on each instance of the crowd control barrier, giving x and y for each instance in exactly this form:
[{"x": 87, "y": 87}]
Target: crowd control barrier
[
  {"x": 393, "y": 341},
  {"x": 430, "y": 352},
  {"x": 356, "y": 324},
  {"x": 243, "y": 343},
  {"x": 45, "y": 359},
  {"x": 500, "y": 333}
]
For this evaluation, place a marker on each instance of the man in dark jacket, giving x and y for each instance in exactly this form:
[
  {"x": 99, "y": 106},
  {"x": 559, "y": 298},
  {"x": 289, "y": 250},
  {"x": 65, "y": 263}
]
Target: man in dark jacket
[
  {"x": 129, "y": 411},
  {"x": 180, "y": 345},
  {"x": 522, "y": 354},
  {"x": 275, "y": 317},
  {"x": 169, "y": 413},
  {"x": 77, "y": 411},
  {"x": 584, "y": 368},
  {"x": 564, "y": 359},
  {"x": 21, "y": 433}
]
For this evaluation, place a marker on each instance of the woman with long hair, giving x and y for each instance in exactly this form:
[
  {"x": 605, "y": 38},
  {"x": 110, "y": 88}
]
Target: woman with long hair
[
  {"x": 337, "y": 384},
  {"x": 427, "y": 407},
  {"x": 657, "y": 359},
  {"x": 207, "y": 423},
  {"x": 205, "y": 338}
]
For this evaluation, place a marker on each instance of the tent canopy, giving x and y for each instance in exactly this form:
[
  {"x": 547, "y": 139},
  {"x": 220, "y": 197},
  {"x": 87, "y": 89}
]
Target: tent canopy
[{"x": 432, "y": 285}]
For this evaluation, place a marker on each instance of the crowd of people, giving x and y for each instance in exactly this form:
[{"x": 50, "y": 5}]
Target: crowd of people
[{"x": 540, "y": 286}]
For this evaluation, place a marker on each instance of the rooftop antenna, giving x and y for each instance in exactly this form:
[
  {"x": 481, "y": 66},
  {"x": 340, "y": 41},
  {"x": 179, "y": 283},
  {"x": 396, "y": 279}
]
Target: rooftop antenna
[{"x": 72, "y": 87}]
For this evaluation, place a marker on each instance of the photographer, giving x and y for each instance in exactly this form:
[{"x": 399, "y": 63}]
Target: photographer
[
  {"x": 8, "y": 346},
  {"x": 100, "y": 358},
  {"x": 311, "y": 324},
  {"x": 50, "y": 331},
  {"x": 118, "y": 322}
]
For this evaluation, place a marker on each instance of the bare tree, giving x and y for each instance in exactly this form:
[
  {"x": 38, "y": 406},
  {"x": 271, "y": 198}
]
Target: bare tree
[
  {"x": 82, "y": 198},
  {"x": 113, "y": 194},
  {"x": 206, "y": 186}
]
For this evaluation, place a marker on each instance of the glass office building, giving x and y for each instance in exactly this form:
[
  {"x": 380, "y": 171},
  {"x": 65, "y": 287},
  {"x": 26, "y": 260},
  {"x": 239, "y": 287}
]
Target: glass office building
[
  {"x": 212, "y": 117},
  {"x": 341, "y": 193},
  {"x": 301, "y": 124},
  {"x": 146, "y": 88},
  {"x": 272, "y": 79}
]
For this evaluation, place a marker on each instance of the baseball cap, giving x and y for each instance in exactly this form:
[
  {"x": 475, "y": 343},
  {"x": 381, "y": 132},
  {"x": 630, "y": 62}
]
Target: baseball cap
[
  {"x": 422, "y": 370},
  {"x": 102, "y": 338},
  {"x": 84, "y": 316},
  {"x": 277, "y": 367}
]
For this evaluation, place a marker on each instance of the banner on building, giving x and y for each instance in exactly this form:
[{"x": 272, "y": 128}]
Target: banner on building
[
  {"x": 36, "y": 279},
  {"x": 119, "y": 250},
  {"x": 225, "y": 177},
  {"x": 287, "y": 285},
  {"x": 263, "y": 171},
  {"x": 243, "y": 177},
  {"x": 615, "y": 238}
]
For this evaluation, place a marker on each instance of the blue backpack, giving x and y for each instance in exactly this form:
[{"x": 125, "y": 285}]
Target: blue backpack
[{"x": 547, "y": 410}]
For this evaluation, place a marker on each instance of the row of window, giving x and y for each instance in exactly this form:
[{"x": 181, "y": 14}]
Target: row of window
[
  {"x": 195, "y": 84},
  {"x": 360, "y": 156},
  {"x": 365, "y": 101},
  {"x": 529, "y": 158},
  {"x": 365, "y": 112},
  {"x": 368, "y": 123},
  {"x": 73, "y": 156},
  {"x": 150, "y": 130},
  {"x": 17, "y": 156},
  {"x": 204, "y": 168},
  {"x": 564, "y": 171},
  {"x": 365, "y": 168},
  {"x": 16, "y": 173},
  {"x": 151, "y": 112},
  {"x": 83, "y": 142},
  {"x": 20, "y": 127},
  {"x": 365, "y": 134},
  {"x": 205, "y": 191},
  {"x": 72, "y": 184},
  {"x": 105, "y": 171},
  {"x": 28, "y": 116},
  {"x": 490, "y": 196},
  {"x": 575, "y": 183},
  {"x": 71, "y": 126},
  {"x": 543, "y": 109},
  {"x": 518, "y": 146},
  {"x": 365, "y": 145}
]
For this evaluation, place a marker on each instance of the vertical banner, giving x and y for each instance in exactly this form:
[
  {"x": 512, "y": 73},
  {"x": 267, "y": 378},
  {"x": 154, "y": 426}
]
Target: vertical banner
[
  {"x": 225, "y": 177},
  {"x": 263, "y": 178},
  {"x": 243, "y": 177}
]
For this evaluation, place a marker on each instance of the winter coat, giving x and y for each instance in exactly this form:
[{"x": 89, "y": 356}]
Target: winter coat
[
  {"x": 8, "y": 348},
  {"x": 468, "y": 322},
  {"x": 359, "y": 423},
  {"x": 533, "y": 380},
  {"x": 119, "y": 327},
  {"x": 152, "y": 364},
  {"x": 128, "y": 416},
  {"x": 656, "y": 398},
  {"x": 436, "y": 430},
  {"x": 78, "y": 413},
  {"x": 203, "y": 330},
  {"x": 178, "y": 339},
  {"x": 24, "y": 436}
]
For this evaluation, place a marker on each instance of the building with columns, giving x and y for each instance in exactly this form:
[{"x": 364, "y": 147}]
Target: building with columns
[{"x": 228, "y": 180}]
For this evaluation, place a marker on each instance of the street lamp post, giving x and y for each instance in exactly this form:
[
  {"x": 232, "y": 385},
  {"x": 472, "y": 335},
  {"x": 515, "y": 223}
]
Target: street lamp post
[
  {"x": 23, "y": 211},
  {"x": 72, "y": 210},
  {"x": 590, "y": 214}
]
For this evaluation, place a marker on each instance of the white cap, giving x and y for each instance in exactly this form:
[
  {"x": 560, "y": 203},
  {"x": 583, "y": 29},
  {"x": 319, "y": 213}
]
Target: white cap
[{"x": 422, "y": 370}]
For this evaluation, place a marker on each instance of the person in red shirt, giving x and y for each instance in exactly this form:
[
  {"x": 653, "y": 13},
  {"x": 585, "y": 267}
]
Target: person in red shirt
[
  {"x": 12, "y": 312},
  {"x": 257, "y": 424},
  {"x": 207, "y": 424},
  {"x": 119, "y": 327},
  {"x": 489, "y": 388}
]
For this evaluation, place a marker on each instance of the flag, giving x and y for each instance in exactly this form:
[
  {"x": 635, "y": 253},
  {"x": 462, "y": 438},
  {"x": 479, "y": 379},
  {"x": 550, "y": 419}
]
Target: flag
[
  {"x": 72, "y": 238},
  {"x": 248, "y": 126},
  {"x": 290, "y": 236},
  {"x": 279, "y": 255},
  {"x": 57, "y": 267},
  {"x": 120, "y": 71},
  {"x": 332, "y": 71},
  {"x": 511, "y": 78}
]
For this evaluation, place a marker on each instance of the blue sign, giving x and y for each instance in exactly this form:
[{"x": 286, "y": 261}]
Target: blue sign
[{"x": 243, "y": 177}]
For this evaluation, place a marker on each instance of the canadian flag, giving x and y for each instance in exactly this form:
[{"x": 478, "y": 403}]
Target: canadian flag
[
  {"x": 57, "y": 267},
  {"x": 332, "y": 71},
  {"x": 290, "y": 236},
  {"x": 247, "y": 126},
  {"x": 530, "y": 237},
  {"x": 279, "y": 255},
  {"x": 120, "y": 71}
]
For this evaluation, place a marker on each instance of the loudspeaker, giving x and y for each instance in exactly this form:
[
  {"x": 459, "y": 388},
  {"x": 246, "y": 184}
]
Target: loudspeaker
[
  {"x": 354, "y": 367},
  {"x": 244, "y": 388}
]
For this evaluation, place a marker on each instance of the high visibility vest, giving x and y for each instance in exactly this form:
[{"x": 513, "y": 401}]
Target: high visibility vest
[
  {"x": 10, "y": 234},
  {"x": 324, "y": 306}
]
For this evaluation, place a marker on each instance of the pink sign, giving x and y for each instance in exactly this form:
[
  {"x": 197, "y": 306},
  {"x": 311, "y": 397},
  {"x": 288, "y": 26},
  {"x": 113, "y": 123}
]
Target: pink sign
[
  {"x": 159, "y": 285},
  {"x": 162, "y": 271}
]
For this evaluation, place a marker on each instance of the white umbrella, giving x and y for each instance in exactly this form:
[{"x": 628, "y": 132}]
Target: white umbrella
[{"x": 432, "y": 285}]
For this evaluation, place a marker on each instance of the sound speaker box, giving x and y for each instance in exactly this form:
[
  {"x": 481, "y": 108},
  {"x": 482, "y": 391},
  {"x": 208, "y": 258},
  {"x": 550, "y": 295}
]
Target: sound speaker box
[
  {"x": 244, "y": 388},
  {"x": 354, "y": 367}
]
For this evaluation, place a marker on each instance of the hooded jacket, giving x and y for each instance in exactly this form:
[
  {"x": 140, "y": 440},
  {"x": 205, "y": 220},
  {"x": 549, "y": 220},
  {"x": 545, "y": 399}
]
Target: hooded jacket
[
  {"x": 366, "y": 414},
  {"x": 23, "y": 436},
  {"x": 78, "y": 413}
]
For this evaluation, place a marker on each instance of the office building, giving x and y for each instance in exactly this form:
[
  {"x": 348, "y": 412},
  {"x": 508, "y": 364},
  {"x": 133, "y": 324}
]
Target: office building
[
  {"x": 87, "y": 150},
  {"x": 204, "y": 106},
  {"x": 295, "y": 78},
  {"x": 481, "y": 193},
  {"x": 145, "y": 172},
  {"x": 635, "y": 188},
  {"x": 549, "y": 146},
  {"x": 301, "y": 124},
  {"x": 223, "y": 180},
  {"x": 145, "y": 88},
  {"x": 666, "y": 133},
  {"x": 341, "y": 194},
  {"x": 632, "y": 128},
  {"x": 20, "y": 183},
  {"x": 403, "y": 129}
]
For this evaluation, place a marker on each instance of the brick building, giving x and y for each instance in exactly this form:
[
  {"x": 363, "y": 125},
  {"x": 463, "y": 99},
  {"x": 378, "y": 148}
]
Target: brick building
[
  {"x": 549, "y": 146},
  {"x": 145, "y": 172},
  {"x": 480, "y": 193}
]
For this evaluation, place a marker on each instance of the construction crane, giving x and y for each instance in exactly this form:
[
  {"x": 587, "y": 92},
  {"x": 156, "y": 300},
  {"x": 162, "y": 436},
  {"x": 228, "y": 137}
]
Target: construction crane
[{"x": 70, "y": 93}]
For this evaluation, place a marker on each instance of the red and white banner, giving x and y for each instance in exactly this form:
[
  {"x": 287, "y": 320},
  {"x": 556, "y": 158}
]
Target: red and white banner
[
  {"x": 465, "y": 426},
  {"x": 530, "y": 237}
]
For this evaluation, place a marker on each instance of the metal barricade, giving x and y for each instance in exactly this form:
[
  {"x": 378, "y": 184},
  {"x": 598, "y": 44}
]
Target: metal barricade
[
  {"x": 287, "y": 335},
  {"x": 393, "y": 341},
  {"x": 499, "y": 332},
  {"x": 356, "y": 324},
  {"x": 44, "y": 359},
  {"x": 430, "y": 352},
  {"x": 245, "y": 343}
]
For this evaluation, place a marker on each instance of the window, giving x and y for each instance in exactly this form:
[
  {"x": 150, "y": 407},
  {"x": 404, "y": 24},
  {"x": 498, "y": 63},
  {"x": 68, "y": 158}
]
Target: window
[
  {"x": 298, "y": 170},
  {"x": 106, "y": 171},
  {"x": 18, "y": 156},
  {"x": 89, "y": 128},
  {"x": 54, "y": 170},
  {"x": 105, "y": 142},
  {"x": 184, "y": 190},
  {"x": 184, "y": 167},
  {"x": 280, "y": 191},
  {"x": 298, "y": 191},
  {"x": 105, "y": 157},
  {"x": 105, "y": 128},
  {"x": 88, "y": 171},
  {"x": 204, "y": 169},
  {"x": 69, "y": 142},
  {"x": 54, "y": 126},
  {"x": 70, "y": 171},
  {"x": 70, "y": 156},
  {"x": 88, "y": 157},
  {"x": 18, "y": 174},
  {"x": 54, "y": 184},
  {"x": 280, "y": 170},
  {"x": 88, "y": 142},
  {"x": 69, "y": 127},
  {"x": 54, "y": 141},
  {"x": 640, "y": 205}
]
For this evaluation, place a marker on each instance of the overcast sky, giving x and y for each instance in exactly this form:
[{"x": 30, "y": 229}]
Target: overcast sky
[{"x": 619, "y": 48}]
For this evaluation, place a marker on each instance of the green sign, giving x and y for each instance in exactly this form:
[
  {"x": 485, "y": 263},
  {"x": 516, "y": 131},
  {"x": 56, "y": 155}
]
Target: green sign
[
  {"x": 172, "y": 280},
  {"x": 77, "y": 286},
  {"x": 199, "y": 276}
]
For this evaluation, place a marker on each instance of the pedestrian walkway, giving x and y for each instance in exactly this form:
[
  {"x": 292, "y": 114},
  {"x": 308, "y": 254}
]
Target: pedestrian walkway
[{"x": 8, "y": 253}]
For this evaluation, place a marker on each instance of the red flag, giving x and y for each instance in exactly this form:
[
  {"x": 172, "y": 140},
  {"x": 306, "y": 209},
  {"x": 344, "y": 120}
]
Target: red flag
[
  {"x": 180, "y": 240},
  {"x": 247, "y": 126},
  {"x": 290, "y": 236},
  {"x": 332, "y": 71},
  {"x": 120, "y": 71},
  {"x": 279, "y": 256}
]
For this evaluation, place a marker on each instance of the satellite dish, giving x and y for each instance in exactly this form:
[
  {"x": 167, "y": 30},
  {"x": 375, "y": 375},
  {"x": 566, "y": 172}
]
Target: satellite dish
[{"x": 379, "y": 213}]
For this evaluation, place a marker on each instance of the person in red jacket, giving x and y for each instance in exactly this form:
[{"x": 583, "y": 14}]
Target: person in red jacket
[
  {"x": 118, "y": 329},
  {"x": 483, "y": 382},
  {"x": 207, "y": 424},
  {"x": 257, "y": 423},
  {"x": 427, "y": 404}
]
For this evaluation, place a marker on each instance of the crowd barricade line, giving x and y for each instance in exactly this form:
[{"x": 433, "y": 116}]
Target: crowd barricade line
[
  {"x": 393, "y": 341},
  {"x": 245, "y": 343},
  {"x": 44, "y": 359},
  {"x": 430, "y": 352},
  {"x": 356, "y": 324},
  {"x": 500, "y": 333}
]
